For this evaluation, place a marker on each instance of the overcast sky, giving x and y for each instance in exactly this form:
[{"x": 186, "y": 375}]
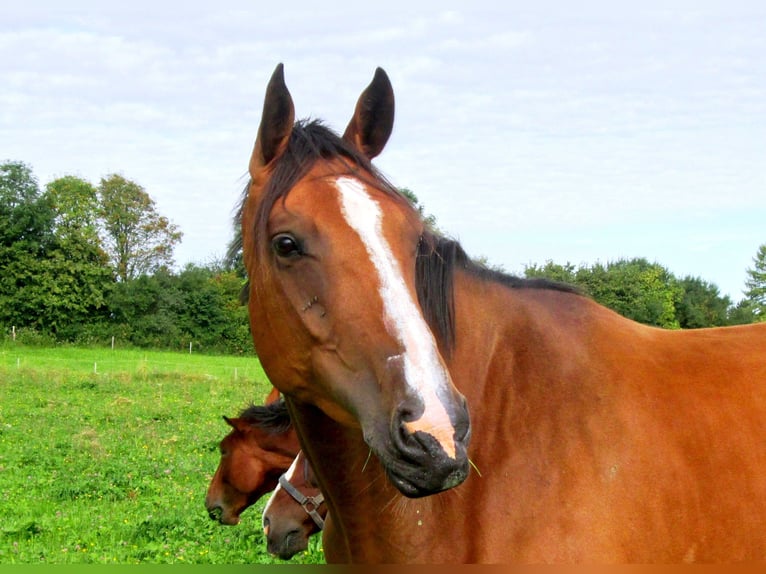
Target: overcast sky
[{"x": 533, "y": 131}]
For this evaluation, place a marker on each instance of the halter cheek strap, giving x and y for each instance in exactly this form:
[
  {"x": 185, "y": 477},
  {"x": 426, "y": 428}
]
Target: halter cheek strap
[{"x": 309, "y": 503}]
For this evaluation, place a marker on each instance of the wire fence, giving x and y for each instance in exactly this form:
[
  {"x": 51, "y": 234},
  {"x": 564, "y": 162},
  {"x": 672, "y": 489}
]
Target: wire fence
[{"x": 135, "y": 362}]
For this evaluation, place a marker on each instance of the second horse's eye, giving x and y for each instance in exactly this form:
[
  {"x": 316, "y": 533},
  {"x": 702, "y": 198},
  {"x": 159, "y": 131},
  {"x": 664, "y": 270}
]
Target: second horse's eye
[{"x": 285, "y": 245}]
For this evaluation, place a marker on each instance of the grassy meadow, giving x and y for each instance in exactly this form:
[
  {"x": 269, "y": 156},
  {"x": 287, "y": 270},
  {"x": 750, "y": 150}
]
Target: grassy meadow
[{"x": 105, "y": 457}]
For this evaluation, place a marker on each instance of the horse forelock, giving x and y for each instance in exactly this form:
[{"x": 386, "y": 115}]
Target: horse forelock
[{"x": 310, "y": 141}]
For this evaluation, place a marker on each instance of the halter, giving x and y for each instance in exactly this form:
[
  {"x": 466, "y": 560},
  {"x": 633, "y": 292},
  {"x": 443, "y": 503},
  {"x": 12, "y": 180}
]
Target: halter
[{"x": 309, "y": 503}]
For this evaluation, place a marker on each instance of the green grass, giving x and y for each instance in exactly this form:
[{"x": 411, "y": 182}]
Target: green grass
[{"x": 105, "y": 457}]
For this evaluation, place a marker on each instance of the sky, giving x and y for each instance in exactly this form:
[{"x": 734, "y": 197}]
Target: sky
[{"x": 575, "y": 132}]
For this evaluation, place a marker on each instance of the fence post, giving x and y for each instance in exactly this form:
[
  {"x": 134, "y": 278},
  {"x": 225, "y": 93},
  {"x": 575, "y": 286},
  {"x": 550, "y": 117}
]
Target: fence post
[{"x": 190, "y": 345}]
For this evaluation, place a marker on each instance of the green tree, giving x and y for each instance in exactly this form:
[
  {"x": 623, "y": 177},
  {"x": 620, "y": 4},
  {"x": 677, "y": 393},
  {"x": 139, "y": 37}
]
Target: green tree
[
  {"x": 25, "y": 240},
  {"x": 701, "y": 304},
  {"x": 137, "y": 239},
  {"x": 75, "y": 203},
  {"x": 642, "y": 291},
  {"x": 144, "y": 310},
  {"x": 743, "y": 313},
  {"x": 430, "y": 219},
  {"x": 755, "y": 292},
  {"x": 645, "y": 292},
  {"x": 25, "y": 215},
  {"x": 566, "y": 273},
  {"x": 55, "y": 278}
]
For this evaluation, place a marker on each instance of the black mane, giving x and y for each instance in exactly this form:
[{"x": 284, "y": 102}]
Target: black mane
[
  {"x": 272, "y": 418},
  {"x": 438, "y": 256}
]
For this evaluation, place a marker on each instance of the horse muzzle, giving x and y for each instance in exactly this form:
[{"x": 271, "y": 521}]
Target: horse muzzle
[
  {"x": 220, "y": 515},
  {"x": 419, "y": 463}
]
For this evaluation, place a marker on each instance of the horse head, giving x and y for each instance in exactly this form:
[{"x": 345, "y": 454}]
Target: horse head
[{"x": 330, "y": 248}]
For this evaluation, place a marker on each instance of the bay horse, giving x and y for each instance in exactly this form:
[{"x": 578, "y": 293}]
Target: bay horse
[
  {"x": 260, "y": 447},
  {"x": 295, "y": 510},
  {"x": 591, "y": 438}
]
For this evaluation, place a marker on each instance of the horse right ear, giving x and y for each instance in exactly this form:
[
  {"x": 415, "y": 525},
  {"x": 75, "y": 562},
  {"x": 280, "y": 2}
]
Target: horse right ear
[
  {"x": 276, "y": 123},
  {"x": 229, "y": 422}
]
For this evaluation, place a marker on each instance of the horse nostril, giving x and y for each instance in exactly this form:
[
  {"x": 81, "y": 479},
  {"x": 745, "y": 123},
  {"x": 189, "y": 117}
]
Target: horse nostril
[{"x": 463, "y": 424}]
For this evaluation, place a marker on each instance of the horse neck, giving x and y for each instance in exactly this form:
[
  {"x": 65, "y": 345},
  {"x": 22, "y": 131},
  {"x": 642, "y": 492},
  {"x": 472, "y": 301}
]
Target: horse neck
[
  {"x": 530, "y": 350},
  {"x": 354, "y": 486}
]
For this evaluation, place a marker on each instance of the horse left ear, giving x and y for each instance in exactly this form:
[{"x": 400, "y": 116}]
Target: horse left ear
[
  {"x": 373, "y": 119},
  {"x": 276, "y": 123},
  {"x": 273, "y": 396}
]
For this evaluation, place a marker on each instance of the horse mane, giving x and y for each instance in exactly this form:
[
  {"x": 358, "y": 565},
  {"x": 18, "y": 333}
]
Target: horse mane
[
  {"x": 272, "y": 418},
  {"x": 437, "y": 259},
  {"x": 438, "y": 256}
]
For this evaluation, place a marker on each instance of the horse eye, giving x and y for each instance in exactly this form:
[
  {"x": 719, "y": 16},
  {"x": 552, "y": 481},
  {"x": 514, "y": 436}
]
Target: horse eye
[{"x": 285, "y": 245}]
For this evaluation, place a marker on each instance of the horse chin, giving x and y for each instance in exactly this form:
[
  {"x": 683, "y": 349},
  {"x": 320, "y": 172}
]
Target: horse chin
[
  {"x": 226, "y": 518},
  {"x": 417, "y": 481},
  {"x": 287, "y": 547}
]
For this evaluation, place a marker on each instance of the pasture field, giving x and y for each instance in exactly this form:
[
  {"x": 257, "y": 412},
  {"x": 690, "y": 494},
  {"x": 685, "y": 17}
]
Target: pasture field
[{"x": 105, "y": 457}]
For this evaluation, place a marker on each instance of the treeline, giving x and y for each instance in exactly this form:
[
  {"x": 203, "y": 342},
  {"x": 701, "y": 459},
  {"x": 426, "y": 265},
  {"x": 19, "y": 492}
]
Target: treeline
[
  {"x": 88, "y": 264},
  {"x": 84, "y": 263},
  {"x": 649, "y": 293}
]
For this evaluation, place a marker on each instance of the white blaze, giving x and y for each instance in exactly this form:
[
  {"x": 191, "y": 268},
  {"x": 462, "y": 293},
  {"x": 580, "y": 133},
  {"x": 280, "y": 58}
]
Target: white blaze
[
  {"x": 289, "y": 475},
  {"x": 423, "y": 371}
]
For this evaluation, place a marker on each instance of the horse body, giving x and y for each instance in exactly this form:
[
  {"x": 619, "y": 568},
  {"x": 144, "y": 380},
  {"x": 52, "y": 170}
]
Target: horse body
[
  {"x": 609, "y": 440},
  {"x": 592, "y": 438}
]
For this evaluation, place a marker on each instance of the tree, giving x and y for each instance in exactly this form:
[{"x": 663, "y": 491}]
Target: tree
[
  {"x": 701, "y": 304},
  {"x": 75, "y": 203},
  {"x": 642, "y": 291},
  {"x": 55, "y": 278},
  {"x": 25, "y": 216},
  {"x": 755, "y": 294},
  {"x": 429, "y": 220},
  {"x": 137, "y": 239},
  {"x": 566, "y": 273}
]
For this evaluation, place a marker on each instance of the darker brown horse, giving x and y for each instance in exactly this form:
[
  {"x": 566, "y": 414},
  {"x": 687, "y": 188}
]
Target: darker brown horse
[
  {"x": 295, "y": 511},
  {"x": 592, "y": 438},
  {"x": 259, "y": 449}
]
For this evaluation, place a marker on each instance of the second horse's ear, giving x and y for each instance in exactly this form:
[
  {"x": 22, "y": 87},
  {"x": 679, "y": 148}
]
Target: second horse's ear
[
  {"x": 276, "y": 123},
  {"x": 373, "y": 120}
]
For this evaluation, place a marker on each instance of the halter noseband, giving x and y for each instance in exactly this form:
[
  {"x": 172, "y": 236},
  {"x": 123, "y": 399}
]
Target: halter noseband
[{"x": 308, "y": 503}]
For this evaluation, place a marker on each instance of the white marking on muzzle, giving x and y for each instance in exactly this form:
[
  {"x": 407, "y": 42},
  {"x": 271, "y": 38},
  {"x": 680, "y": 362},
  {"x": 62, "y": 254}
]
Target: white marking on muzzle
[
  {"x": 424, "y": 372},
  {"x": 289, "y": 475}
]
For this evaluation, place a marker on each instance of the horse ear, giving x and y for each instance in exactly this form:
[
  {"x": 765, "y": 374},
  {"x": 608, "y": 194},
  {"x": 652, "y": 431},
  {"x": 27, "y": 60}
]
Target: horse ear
[
  {"x": 229, "y": 422},
  {"x": 273, "y": 396},
  {"x": 276, "y": 123},
  {"x": 373, "y": 119}
]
